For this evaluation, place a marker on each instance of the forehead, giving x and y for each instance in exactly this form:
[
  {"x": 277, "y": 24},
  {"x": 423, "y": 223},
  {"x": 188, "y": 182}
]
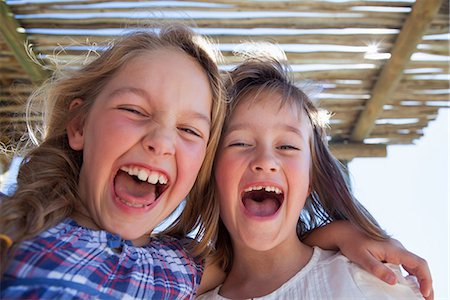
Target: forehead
[
  {"x": 161, "y": 61},
  {"x": 270, "y": 110},
  {"x": 166, "y": 69},
  {"x": 272, "y": 102}
]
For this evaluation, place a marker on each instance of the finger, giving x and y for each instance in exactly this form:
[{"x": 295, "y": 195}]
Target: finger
[
  {"x": 419, "y": 268},
  {"x": 431, "y": 296},
  {"x": 379, "y": 270},
  {"x": 426, "y": 286}
]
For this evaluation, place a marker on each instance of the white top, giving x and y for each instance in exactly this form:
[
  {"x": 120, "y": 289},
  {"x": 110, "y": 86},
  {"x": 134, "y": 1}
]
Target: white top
[{"x": 330, "y": 275}]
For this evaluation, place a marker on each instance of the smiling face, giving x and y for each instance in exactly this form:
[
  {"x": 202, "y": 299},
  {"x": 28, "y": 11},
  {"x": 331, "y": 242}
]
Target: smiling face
[
  {"x": 143, "y": 142},
  {"x": 263, "y": 171}
]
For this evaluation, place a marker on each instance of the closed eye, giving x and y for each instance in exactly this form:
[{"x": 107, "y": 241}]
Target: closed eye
[
  {"x": 190, "y": 131},
  {"x": 133, "y": 111},
  {"x": 239, "y": 144},
  {"x": 288, "y": 147}
]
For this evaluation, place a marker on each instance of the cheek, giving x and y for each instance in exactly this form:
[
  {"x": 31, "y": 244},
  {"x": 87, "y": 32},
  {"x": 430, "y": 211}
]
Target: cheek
[
  {"x": 106, "y": 131},
  {"x": 300, "y": 172},
  {"x": 103, "y": 144},
  {"x": 117, "y": 129}
]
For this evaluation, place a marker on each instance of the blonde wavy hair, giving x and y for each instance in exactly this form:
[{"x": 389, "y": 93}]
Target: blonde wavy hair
[
  {"x": 331, "y": 197},
  {"x": 48, "y": 177}
]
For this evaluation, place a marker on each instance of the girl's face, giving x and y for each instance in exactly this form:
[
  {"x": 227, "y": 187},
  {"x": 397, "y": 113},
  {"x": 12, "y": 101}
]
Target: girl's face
[
  {"x": 143, "y": 142},
  {"x": 263, "y": 172}
]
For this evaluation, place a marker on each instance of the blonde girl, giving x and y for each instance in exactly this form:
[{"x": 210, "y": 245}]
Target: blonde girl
[{"x": 125, "y": 139}]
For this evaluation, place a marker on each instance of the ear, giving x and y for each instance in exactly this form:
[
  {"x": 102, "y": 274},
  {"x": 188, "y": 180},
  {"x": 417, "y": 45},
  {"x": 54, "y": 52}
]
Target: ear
[{"x": 75, "y": 128}]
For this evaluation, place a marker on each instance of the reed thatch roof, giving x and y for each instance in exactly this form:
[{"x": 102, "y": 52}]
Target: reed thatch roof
[{"x": 384, "y": 64}]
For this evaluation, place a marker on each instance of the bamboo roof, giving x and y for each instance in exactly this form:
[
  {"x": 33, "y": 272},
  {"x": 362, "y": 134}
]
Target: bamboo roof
[{"x": 384, "y": 65}]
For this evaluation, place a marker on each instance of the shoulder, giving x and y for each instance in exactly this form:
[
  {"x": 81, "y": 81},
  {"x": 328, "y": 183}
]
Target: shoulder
[
  {"x": 175, "y": 250},
  {"x": 354, "y": 277},
  {"x": 371, "y": 286},
  {"x": 331, "y": 275},
  {"x": 171, "y": 245},
  {"x": 63, "y": 232}
]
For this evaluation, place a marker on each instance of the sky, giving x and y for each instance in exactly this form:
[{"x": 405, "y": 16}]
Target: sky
[{"x": 408, "y": 193}]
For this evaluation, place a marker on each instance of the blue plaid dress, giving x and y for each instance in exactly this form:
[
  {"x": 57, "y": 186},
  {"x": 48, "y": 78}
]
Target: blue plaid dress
[{"x": 73, "y": 262}]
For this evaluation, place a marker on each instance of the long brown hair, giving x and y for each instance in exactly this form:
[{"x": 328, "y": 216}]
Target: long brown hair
[
  {"x": 330, "y": 198},
  {"x": 48, "y": 177}
]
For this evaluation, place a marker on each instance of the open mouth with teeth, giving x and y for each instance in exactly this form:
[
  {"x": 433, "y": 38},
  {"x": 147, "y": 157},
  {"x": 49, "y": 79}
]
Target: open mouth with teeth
[
  {"x": 138, "y": 187},
  {"x": 262, "y": 201}
]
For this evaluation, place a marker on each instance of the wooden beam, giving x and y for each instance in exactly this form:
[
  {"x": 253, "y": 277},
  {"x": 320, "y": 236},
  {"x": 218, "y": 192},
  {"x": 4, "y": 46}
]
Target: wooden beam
[
  {"x": 17, "y": 43},
  {"x": 346, "y": 152},
  {"x": 411, "y": 34}
]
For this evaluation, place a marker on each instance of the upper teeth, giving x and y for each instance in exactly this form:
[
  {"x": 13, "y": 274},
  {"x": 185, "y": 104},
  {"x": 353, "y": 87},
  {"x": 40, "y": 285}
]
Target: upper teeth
[
  {"x": 152, "y": 177},
  {"x": 266, "y": 188}
]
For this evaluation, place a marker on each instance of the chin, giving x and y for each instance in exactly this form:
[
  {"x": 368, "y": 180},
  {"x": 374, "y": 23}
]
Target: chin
[
  {"x": 259, "y": 243},
  {"x": 261, "y": 247}
]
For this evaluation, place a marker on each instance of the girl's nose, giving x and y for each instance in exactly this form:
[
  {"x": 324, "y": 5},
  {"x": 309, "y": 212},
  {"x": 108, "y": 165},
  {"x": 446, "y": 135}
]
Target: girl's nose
[
  {"x": 265, "y": 161},
  {"x": 160, "y": 141}
]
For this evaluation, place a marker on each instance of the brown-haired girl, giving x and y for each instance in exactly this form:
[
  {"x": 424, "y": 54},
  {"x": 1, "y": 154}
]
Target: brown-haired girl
[{"x": 275, "y": 180}]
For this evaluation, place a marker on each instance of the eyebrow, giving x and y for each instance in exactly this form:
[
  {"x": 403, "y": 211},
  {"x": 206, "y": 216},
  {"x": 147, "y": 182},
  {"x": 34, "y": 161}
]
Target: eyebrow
[
  {"x": 291, "y": 129},
  {"x": 142, "y": 93},
  {"x": 279, "y": 126},
  {"x": 199, "y": 116},
  {"x": 133, "y": 90}
]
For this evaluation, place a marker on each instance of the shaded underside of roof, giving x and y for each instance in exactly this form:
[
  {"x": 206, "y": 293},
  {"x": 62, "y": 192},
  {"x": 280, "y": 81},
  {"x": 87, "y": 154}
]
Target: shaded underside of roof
[{"x": 383, "y": 65}]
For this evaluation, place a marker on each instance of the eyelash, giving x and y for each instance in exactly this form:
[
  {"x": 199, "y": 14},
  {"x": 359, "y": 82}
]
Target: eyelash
[
  {"x": 283, "y": 147},
  {"x": 133, "y": 111},
  {"x": 190, "y": 131},
  {"x": 288, "y": 147},
  {"x": 239, "y": 145}
]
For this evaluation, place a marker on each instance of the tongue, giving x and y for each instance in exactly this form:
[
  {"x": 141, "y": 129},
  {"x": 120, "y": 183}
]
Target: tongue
[
  {"x": 266, "y": 207},
  {"x": 130, "y": 188}
]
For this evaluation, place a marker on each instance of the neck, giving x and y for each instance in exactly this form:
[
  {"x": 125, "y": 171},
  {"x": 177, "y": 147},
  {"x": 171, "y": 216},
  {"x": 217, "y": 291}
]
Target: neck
[
  {"x": 258, "y": 273},
  {"x": 83, "y": 219}
]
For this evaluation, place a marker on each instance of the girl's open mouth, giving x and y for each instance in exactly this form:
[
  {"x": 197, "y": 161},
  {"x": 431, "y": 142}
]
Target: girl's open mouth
[
  {"x": 262, "y": 201},
  {"x": 138, "y": 187}
]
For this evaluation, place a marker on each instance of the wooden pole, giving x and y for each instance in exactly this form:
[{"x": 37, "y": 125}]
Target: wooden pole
[
  {"x": 414, "y": 28},
  {"x": 346, "y": 152},
  {"x": 17, "y": 42}
]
